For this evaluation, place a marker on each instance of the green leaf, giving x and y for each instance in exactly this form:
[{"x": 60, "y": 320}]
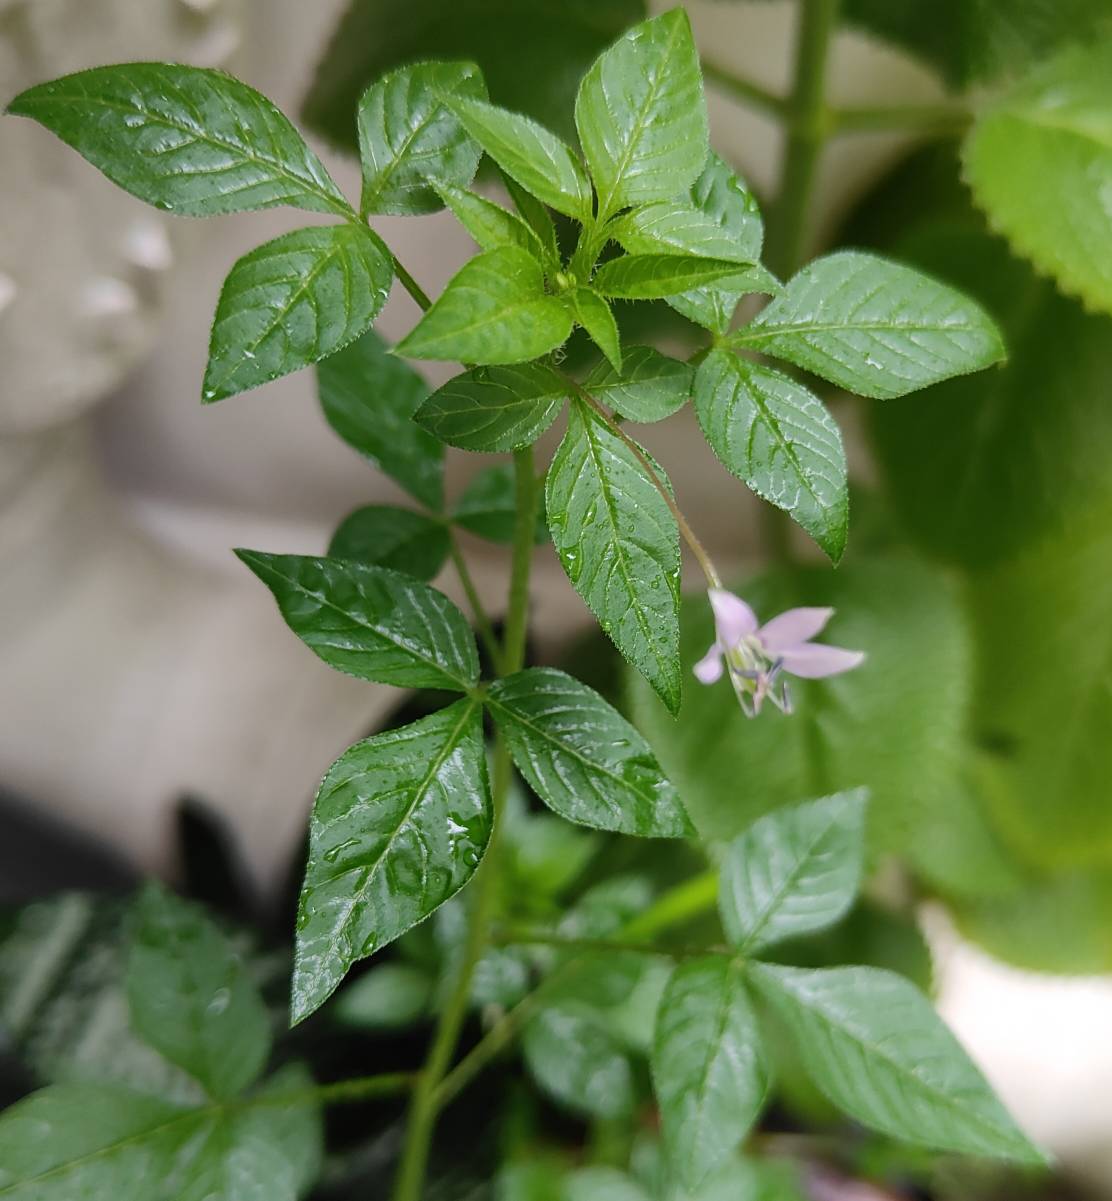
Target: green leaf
[
  {"x": 874, "y": 327},
  {"x": 649, "y": 387},
  {"x": 682, "y": 227},
  {"x": 582, "y": 758},
  {"x": 708, "y": 1066},
  {"x": 793, "y": 872},
  {"x": 409, "y": 137},
  {"x": 619, "y": 544},
  {"x": 536, "y": 216},
  {"x": 724, "y": 199},
  {"x": 369, "y": 398},
  {"x": 185, "y": 139},
  {"x": 495, "y": 408},
  {"x": 92, "y": 1140},
  {"x": 533, "y": 56},
  {"x": 292, "y": 302},
  {"x": 191, "y": 997},
  {"x": 488, "y": 506},
  {"x": 1046, "y": 148},
  {"x": 494, "y": 310},
  {"x": 398, "y": 827},
  {"x": 488, "y": 223},
  {"x": 390, "y": 997},
  {"x": 655, "y": 276},
  {"x": 540, "y": 162},
  {"x": 574, "y": 1058},
  {"x": 641, "y": 114},
  {"x": 594, "y": 314},
  {"x": 778, "y": 437},
  {"x": 875, "y": 1047},
  {"x": 384, "y": 536},
  {"x": 370, "y": 622},
  {"x": 600, "y": 1183}
]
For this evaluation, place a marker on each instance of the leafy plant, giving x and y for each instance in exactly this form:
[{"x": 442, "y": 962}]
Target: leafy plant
[{"x": 414, "y": 823}]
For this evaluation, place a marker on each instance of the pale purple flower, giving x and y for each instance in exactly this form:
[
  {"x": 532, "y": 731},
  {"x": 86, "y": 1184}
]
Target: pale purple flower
[{"x": 755, "y": 655}]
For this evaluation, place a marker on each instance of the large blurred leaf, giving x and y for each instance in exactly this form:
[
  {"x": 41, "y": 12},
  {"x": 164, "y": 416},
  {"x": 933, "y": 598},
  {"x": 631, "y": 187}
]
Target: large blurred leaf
[
  {"x": 531, "y": 54},
  {"x": 895, "y": 724},
  {"x": 574, "y": 1057},
  {"x": 968, "y": 41},
  {"x": 1039, "y": 162}
]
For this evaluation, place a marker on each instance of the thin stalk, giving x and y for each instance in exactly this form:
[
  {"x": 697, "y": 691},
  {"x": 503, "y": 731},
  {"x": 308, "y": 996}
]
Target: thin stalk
[
  {"x": 482, "y": 621},
  {"x": 412, "y": 286},
  {"x": 515, "y": 937},
  {"x": 525, "y": 500},
  {"x": 359, "y": 1088},
  {"x": 931, "y": 120},
  {"x": 744, "y": 90}
]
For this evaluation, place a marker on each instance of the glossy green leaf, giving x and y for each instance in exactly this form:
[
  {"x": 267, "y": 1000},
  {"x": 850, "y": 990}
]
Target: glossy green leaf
[
  {"x": 398, "y": 827},
  {"x": 873, "y": 1044},
  {"x": 92, "y": 1140},
  {"x": 385, "y": 536},
  {"x": 535, "y": 215},
  {"x": 723, "y": 198},
  {"x": 649, "y": 387},
  {"x": 582, "y": 758},
  {"x": 683, "y": 227},
  {"x": 540, "y": 162},
  {"x": 494, "y": 310},
  {"x": 390, "y": 997},
  {"x": 641, "y": 114},
  {"x": 778, "y": 437},
  {"x": 1039, "y": 162},
  {"x": 369, "y": 398},
  {"x": 191, "y": 997},
  {"x": 533, "y": 55},
  {"x": 408, "y": 136},
  {"x": 573, "y": 1057},
  {"x": 292, "y": 302},
  {"x": 185, "y": 139},
  {"x": 655, "y": 276},
  {"x": 619, "y": 544},
  {"x": 708, "y": 1066},
  {"x": 495, "y": 408},
  {"x": 370, "y": 622},
  {"x": 488, "y": 506},
  {"x": 793, "y": 872},
  {"x": 874, "y": 327},
  {"x": 488, "y": 223},
  {"x": 596, "y": 317}
]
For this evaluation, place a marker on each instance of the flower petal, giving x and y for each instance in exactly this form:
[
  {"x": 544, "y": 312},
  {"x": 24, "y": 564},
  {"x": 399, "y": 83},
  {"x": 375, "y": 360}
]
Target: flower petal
[
  {"x": 792, "y": 627},
  {"x": 733, "y": 619},
  {"x": 709, "y": 668},
  {"x": 812, "y": 660}
]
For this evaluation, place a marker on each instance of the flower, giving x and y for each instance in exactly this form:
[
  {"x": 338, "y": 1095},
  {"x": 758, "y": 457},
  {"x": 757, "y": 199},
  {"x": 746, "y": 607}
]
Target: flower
[{"x": 755, "y": 655}]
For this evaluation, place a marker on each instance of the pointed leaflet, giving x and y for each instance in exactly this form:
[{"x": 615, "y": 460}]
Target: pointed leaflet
[
  {"x": 708, "y": 1065},
  {"x": 536, "y": 216},
  {"x": 655, "y": 276},
  {"x": 872, "y": 1043},
  {"x": 641, "y": 115},
  {"x": 540, "y": 162},
  {"x": 370, "y": 622},
  {"x": 495, "y": 408},
  {"x": 573, "y": 1056},
  {"x": 874, "y": 327},
  {"x": 494, "y": 310},
  {"x": 594, "y": 314},
  {"x": 620, "y": 546},
  {"x": 292, "y": 302},
  {"x": 369, "y": 398},
  {"x": 384, "y": 536},
  {"x": 488, "y": 506},
  {"x": 488, "y": 223},
  {"x": 649, "y": 387},
  {"x": 409, "y": 137},
  {"x": 792, "y": 872},
  {"x": 777, "y": 437},
  {"x": 185, "y": 139},
  {"x": 1046, "y": 148},
  {"x": 399, "y": 826},
  {"x": 582, "y": 758},
  {"x": 191, "y": 997}
]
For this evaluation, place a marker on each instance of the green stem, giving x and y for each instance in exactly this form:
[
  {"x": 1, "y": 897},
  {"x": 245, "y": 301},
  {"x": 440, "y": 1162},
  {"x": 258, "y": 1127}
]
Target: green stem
[
  {"x": 412, "y": 286},
  {"x": 359, "y": 1088},
  {"x": 744, "y": 90},
  {"x": 932, "y": 120},
  {"x": 482, "y": 621},
  {"x": 525, "y": 501},
  {"x": 514, "y": 936}
]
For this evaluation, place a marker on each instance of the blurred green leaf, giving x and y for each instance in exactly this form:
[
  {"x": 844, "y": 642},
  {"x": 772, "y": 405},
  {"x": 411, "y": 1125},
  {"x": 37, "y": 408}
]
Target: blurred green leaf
[
  {"x": 369, "y": 398},
  {"x": 1039, "y": 162},
  {"x": 385, "y": 536},
  {"x": 389, "y": 997},
  {"x": 574, "y": 1058},
  {"x": 600, "y": 1183},
  {"x": 488, "y": 506}
]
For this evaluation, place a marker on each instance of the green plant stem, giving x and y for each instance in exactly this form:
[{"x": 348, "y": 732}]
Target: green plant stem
[
  {"x": 525, "y": 524},
  {"x": 412, "y": 286},
  {"x": 688, "y": 900},
  {"x": 931, "y": 120},
  {"x": 745, "y": 90},
  {"x": 482, "y": 621},
  {"x": 515, "y": 936}
]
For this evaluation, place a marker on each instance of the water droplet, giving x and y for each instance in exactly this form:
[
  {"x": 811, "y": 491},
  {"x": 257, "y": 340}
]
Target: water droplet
[
  {"x": 333, "y": 853},
  {"x": 220, "y": 1001}
]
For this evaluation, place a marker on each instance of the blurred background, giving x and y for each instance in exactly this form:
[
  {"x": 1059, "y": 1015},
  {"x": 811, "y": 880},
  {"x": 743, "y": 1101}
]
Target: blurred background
[{"x": 156, "y": 715}]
